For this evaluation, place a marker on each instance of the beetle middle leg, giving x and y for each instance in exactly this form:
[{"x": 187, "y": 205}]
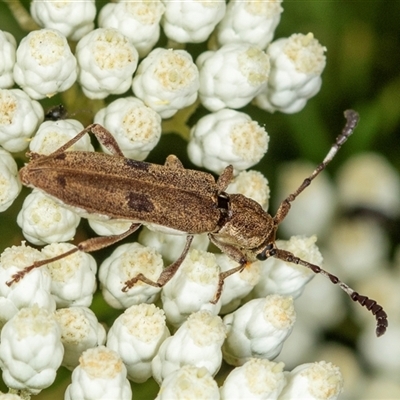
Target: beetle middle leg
[
  {"x": 167, "y": 273},
  {"x": 235, "y": 254}
]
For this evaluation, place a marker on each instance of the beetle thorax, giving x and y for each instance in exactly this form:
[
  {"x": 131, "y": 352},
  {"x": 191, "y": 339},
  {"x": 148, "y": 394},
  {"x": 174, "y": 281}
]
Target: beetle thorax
[{"x": 248, "y": 225}]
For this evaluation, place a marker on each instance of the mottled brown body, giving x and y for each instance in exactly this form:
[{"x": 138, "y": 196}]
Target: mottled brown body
[
  {"x": 189, "y": 201},
  {"x": 121, "y": 188}
]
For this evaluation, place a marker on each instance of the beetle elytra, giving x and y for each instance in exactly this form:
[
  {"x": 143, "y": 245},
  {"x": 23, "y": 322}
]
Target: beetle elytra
[{"x": 169, "y": 195}]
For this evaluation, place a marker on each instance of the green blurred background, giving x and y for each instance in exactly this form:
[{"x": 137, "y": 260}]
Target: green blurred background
[{"x": 363, "y": 72}]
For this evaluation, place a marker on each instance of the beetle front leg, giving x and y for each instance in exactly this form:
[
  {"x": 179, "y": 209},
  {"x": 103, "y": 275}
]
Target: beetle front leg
[
  {"x": 233, "y": 253},
  {"x": 167, "y": 273}
]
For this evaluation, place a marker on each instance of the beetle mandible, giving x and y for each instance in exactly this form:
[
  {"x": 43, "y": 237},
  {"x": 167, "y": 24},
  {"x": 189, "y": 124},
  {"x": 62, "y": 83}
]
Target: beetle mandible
[{"x": 169, "y": 195}]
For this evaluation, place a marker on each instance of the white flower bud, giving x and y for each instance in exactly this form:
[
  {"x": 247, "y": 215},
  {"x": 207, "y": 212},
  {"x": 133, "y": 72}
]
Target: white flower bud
[
  {"x": 126, "y": 262},
  {"x": 100, "y": 375},
  {"x": 72, "y": 18},
  {"x": 367, "y": 180},
  {"x": 10, "y": 396},
  {"x": 252, "y": 184},
  {"x": 43, "y": 220},
  {"x": 239, "y": 285},
  {"x": 287, "y": 278},
  {"x": 8, "y": 45},
  {"x": 322, "y": 305},
  {"x": 382, "y": 355},
  {"x": 45, "y": 64},
  {"x": 313, "y": 211},
  {"x": 353, "y": 372},
  {"x": 108, "y": 227},
  {"x": 138, "y": 20},
  {"x": 107, "y": 61},
  {"x": 137, "y": 335},
  {"x": 171, "y": 246},
  {"x": 192, "y": 288},
  {"x": 30, "y": 350},
  {"x": 19, "y": 118},
  {"x": 258, "y": 329},
  {"x": 232, "y": 76},
  {"x": 297, "y": 63},
  {"x": 80, "y": 330},
  {"x": 359, "y": 246},
  {"x": 379, "y": 386},
  {"x": 33, "y": 288},
  {"x": 51, "y": 135},
  {"x": 135, "y": 127},
  {"x": 249, "y": 21},
  {"x": 7, "y": 310},
  {"x": 302, "y": 342},
  {"x": 319, "y": 381},
  {"x": 73, "y": 278},
  {"x": 189, "y": 382},
  {"x": 166, "y": 81},
  {"x": 10, "y": 185},
  {"x": 197, "y": 342},
  {"x": 227, "y": 137},
  {"x": 191, "y": 20},
  {"x": 256, "y": 379}
]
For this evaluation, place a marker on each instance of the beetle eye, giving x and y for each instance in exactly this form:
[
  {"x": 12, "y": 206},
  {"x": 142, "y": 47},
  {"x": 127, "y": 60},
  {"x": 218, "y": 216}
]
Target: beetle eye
[
  {"x": 267, "y": 249},
  {"x": 261, "y": 256}
]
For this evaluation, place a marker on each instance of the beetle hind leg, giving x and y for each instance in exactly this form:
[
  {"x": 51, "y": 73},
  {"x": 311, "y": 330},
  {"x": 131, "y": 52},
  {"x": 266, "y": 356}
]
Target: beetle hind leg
[{"x": 86, "y": 246}]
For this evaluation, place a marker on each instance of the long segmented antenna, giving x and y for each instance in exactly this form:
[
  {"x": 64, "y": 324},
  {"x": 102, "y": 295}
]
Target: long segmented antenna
[
  {"x": 352, "y": 118},
  {"x": 371, "y": 305}
]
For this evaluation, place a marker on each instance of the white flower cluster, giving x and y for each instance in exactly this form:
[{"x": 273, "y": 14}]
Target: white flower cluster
[
  {"x": 227, "y": 137},
  {"x": 175, "y": 334},
  {"x": 140, "y": 338},
  {"x": 297, "y": 63},
  {"x": 10, "y": 186},
  {"x": 45, "y": 64},
  {"x": 107, "y": 61},
  {"x": 72, "y": 19},
  {"x": 138, "y": 20},
  {"x": 135, "y": 126},
  {"x": 251, "y": 22},
  {"x": 8, "y": 45},
  {"x": 191, "y": 20},
  {"x": 20, "y": 116}
]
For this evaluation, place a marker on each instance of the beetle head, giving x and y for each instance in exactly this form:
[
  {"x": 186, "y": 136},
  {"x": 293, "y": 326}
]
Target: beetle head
[{"x": 248, "y": 228}]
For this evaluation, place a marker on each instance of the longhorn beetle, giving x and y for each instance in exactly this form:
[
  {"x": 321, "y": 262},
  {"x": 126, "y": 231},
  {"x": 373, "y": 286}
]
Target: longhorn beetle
[{"x": 188, "y": 201}]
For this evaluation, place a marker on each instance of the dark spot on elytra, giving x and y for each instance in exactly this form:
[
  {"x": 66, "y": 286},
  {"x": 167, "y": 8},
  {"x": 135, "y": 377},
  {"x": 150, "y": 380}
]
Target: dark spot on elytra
[
  {"x": 137, "y": 164},
  {"x": 61, "y": 181},
  {"x": 140, "y": 202}
]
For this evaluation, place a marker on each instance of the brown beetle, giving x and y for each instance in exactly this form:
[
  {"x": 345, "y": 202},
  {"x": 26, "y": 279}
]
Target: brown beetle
[{"x": 188, "y": 201}]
